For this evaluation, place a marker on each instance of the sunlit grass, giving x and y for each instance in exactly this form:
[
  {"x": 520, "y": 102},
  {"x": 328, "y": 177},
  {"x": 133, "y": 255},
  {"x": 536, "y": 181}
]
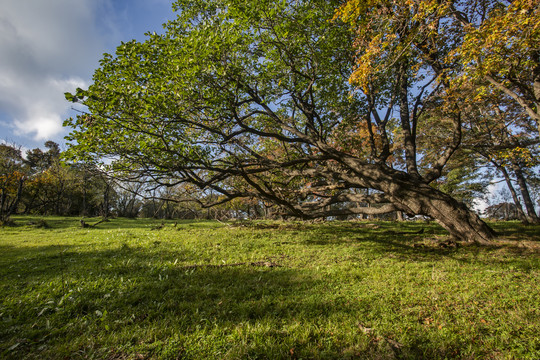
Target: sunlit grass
[{"x": 265, "y": 290}]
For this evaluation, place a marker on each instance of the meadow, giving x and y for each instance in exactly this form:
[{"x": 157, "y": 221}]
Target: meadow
[{"x": 143, "y": 289}]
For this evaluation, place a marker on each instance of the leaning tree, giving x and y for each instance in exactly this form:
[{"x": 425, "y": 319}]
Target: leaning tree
[{"x": 252, "y": 99}]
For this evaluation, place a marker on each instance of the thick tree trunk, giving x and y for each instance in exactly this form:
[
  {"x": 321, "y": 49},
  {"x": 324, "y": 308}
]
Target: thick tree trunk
[
  {"x": 454, "y": 216},
  {"x": 417, "y": 197}
]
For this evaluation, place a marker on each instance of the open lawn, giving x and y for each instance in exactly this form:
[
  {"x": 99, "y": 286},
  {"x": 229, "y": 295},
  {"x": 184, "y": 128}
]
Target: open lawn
[{"x": 132, "y": 289}]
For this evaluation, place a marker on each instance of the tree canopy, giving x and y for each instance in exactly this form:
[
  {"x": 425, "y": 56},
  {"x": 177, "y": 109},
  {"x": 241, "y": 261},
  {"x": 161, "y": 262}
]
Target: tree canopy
[
  {"x": 321, "y": 108},
  {"x": 484, "y": 46}
]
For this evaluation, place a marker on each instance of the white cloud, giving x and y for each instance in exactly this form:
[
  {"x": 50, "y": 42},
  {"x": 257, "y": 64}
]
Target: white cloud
[
  {"x": 47, "y": 48},
  {"x": 42, "y": 113}
]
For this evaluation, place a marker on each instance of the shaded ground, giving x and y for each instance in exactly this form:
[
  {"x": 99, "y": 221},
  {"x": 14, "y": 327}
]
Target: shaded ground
[{"x": 336, "y": 290}]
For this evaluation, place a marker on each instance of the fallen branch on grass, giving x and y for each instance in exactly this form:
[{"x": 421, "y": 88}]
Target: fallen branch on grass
[{"x": 85, "y": 225}]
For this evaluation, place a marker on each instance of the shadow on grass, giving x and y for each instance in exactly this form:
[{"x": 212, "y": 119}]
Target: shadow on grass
[
  {"x": 517, "y": 231},
  {"x": 418, "y": 241},
  {"x": 127, "y": 291},
  {"x": 159, "y": 307}
]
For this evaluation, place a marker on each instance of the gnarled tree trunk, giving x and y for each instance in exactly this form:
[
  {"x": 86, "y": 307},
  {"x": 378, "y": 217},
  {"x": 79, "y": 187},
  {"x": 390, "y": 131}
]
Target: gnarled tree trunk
[
  {"x": 461, "y": 222},
  {"x": 413, "y": 195}
]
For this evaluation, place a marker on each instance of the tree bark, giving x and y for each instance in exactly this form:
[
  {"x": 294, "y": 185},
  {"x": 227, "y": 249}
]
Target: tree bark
[
  {"x": 408, "y": 135},
  {"x": 454, "y": 216},
  {"x": 415, "y": 196},
  {"x": 536, "y": 88}
]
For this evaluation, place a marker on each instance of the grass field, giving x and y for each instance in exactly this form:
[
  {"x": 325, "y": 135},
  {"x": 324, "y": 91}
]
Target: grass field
[{"x": 131, "y": 289}]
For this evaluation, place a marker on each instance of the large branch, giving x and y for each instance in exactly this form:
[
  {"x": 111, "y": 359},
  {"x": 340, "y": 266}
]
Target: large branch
[
  {"x": 436, "y": 170},
  {"x": 519, "y": 99},
  {"x": 384, "y": 209}
]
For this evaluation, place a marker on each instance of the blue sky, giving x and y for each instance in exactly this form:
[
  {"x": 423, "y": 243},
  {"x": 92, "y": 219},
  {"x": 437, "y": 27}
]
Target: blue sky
[{"x": 48, "y": 47}]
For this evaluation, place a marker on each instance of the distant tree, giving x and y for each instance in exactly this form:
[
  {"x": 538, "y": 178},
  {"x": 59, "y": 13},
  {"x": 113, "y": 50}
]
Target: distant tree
[
  {"x": 129, "y": 202},
  {"x": 39, "y": 161},
  {"x": 97, "y": 192},
  {"x": 503, "y": 211},
  {"x": 57, "y": 187},
  {"x": 464, "y": 180},
  {"x": 13, "y": 175},
  {"x": 517, "y": 202},
  {"x": 51, "y": 186},
  {"x": 158, "y": 205}
]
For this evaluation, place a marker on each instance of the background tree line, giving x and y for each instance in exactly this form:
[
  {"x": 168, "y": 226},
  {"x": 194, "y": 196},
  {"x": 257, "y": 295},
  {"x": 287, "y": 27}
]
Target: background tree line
[{"x": 41, "y": 183}]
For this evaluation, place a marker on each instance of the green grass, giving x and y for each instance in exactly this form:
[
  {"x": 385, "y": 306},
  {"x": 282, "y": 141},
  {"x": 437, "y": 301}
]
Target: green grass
[{"x": 341, "y": 291}]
